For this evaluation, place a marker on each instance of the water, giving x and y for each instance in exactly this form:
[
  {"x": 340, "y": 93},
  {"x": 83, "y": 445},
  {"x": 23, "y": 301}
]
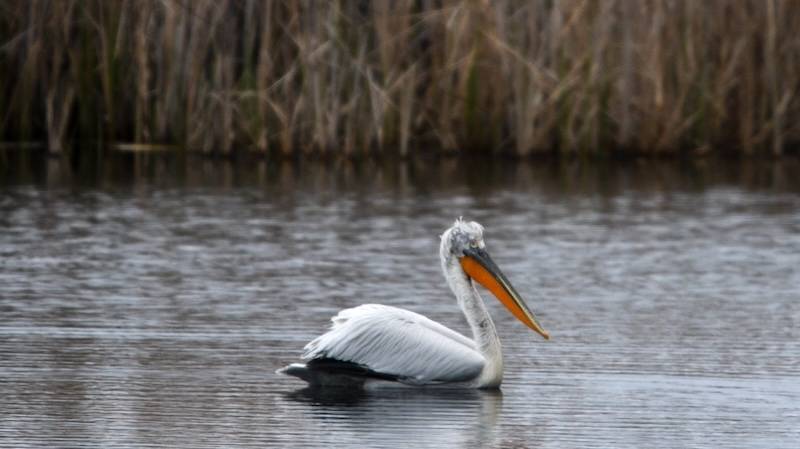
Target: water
[{"x": 152, "y": 310}]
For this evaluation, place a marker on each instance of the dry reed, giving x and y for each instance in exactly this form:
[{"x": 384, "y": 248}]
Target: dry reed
[{"x": 402, "y": 77}]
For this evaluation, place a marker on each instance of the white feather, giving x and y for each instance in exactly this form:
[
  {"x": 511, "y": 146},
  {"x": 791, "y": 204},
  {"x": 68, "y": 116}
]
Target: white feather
[{"x": 398, "y": 342}]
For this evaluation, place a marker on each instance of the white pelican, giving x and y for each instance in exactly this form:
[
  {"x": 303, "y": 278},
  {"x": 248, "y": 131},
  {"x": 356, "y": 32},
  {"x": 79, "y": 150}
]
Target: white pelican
[{"x": 380, "y": 342}]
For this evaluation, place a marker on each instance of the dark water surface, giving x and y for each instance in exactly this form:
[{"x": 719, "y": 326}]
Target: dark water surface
[{"x": 152, "y": 309}]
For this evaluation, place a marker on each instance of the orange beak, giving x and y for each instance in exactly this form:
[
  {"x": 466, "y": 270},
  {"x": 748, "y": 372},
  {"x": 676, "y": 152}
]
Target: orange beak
[{"x": 480, "y": 267}]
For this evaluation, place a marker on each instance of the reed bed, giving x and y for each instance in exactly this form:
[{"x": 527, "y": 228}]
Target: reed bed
[{"x": 403, "y": 77}]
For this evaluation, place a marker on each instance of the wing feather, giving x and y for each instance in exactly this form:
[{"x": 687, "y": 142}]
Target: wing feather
[{"x": 398, "y": 342}]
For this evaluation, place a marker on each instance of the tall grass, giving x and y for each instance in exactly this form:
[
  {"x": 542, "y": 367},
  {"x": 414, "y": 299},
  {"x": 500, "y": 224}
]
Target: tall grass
[{"x": 350, "y": 77}]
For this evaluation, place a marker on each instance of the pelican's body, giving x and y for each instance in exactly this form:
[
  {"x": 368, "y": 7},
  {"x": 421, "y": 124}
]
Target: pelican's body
[{"x": 386, "y": 343}]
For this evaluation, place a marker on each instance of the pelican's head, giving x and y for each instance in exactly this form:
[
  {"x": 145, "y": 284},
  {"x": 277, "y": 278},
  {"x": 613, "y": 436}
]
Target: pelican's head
[{"x": 463, "y": 243}]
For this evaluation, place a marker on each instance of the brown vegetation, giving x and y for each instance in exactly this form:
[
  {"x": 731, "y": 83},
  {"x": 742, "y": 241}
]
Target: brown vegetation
[{"x": 348, "y": 77}]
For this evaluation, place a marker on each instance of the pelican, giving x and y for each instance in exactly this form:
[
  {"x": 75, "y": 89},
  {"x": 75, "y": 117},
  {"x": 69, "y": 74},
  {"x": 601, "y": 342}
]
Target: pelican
[{"x": 374, "y": 342}]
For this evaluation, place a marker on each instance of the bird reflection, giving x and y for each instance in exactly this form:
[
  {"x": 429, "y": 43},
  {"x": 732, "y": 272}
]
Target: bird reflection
[{"x": 410, "y": 417}]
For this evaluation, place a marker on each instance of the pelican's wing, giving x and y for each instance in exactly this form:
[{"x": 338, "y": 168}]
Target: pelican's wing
[{"x": 400, "y": 343}]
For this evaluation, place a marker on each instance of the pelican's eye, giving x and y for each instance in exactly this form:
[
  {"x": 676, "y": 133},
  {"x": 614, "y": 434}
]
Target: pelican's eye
[{"x": 473, "y": 243}]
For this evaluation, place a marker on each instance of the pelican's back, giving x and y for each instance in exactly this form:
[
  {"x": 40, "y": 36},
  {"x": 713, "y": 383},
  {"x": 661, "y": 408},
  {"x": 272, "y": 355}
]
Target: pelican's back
[{"x": 392, "y": 344}]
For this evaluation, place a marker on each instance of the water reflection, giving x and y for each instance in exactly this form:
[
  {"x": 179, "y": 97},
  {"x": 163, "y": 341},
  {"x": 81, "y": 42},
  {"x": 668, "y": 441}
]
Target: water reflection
[
  {"x": 419, "y": 175},
  {"x": 398, "y": 416}
]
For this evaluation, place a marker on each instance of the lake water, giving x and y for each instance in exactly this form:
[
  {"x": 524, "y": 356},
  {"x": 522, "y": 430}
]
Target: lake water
[{"x": 150, "y": 305}]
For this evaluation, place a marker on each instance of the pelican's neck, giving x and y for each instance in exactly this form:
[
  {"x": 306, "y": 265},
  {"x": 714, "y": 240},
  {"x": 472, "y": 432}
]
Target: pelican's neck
[{"x": 483, "y": 330}]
